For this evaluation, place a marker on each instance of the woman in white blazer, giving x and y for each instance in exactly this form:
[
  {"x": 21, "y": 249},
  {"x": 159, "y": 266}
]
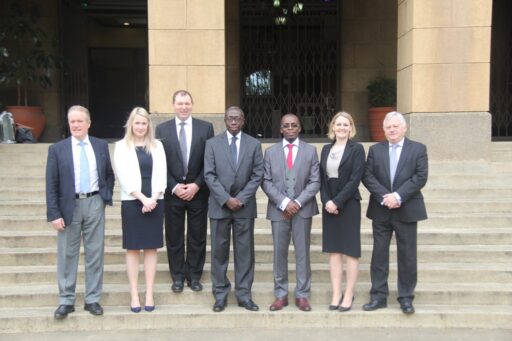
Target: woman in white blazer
[{"x": 141, "y": 169}]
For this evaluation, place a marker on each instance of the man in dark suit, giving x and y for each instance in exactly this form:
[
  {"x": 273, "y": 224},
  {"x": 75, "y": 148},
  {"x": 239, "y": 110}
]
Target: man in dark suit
[
  {"x": 79, "y": 183},
  {"x": 396, "y": 171},
  {"x": 233, "y": 169},
  {"x": 184, "y": 139},
  {"x": 291, "y": 181}
]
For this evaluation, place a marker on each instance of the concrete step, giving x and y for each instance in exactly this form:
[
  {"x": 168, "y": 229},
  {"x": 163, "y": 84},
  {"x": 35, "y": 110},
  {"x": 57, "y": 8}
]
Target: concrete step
[
  {"x": 264, "y": 254},
  {"x": 426, "y": 236},
  {"x": 427, "y": 273},
  {"x": 485, "y": 294},
  {"x": 490, "y": 206},
  {"x": 443, "y": 220},
  {"x": 187, "y": 317}
]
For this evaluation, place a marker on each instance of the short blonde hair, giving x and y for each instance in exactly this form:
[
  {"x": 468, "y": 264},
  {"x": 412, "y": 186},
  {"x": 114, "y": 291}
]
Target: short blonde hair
[
  {"x": 330, "y": 133},
  {"x": 149, "y": 140}
]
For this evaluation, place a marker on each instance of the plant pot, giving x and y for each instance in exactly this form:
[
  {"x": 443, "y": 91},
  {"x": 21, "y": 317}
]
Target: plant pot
[
  {"x": 32, "y": 117},
  {"x": 375, "y": 122}
]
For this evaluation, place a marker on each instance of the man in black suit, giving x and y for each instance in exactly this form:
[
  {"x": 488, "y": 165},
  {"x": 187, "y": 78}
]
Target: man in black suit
[
  {"x": 184, "y": 140},
  {"x": 396, "y": 171},
  {"x": 79, "y": 183}
]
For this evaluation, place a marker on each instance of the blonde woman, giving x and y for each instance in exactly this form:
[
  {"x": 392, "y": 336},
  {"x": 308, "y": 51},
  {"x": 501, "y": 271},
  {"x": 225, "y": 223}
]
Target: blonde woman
[
  {"x": 342, "y": 165},
  {"x": 141, "y": 169}
]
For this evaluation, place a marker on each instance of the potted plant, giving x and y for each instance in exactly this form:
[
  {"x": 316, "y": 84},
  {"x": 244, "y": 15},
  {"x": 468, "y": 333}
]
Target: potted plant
[
  {"x": 25, "y": 59},
  {"x": 381, "y": 100}
]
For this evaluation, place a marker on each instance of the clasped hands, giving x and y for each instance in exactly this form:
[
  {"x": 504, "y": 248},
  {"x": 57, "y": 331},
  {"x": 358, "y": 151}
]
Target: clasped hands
[
  {"x": 331, "y": 207},
  {"x": 390, "y": 201},
  {"x": 186, "y": 191},
  {"x": 234, "y": 204},
  {"x": 148, "y": 204},
  {"x": 291, "y": 209}
]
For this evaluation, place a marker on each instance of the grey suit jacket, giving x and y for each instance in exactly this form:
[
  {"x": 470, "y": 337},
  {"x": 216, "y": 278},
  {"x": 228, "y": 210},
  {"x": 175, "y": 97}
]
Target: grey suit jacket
[
  {"x": 410, "y": 177},
  {"x": 60, "y": 178},
  {"x": 226, "y": 180},
  {"x": 307, "y": 180}
]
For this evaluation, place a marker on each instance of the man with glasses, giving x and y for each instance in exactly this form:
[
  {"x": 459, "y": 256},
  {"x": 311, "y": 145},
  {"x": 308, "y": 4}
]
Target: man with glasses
[
  {"x": 291, "y": 181},
  {"x": 233, "y": 169}
]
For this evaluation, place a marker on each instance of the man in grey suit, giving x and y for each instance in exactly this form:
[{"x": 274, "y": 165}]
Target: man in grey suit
[
  {"x": 233, "y": 169},
  {"x": 396, "y": 171},
  {"x": 291, "y": 180},
  {"x": 79, "y": 183}
]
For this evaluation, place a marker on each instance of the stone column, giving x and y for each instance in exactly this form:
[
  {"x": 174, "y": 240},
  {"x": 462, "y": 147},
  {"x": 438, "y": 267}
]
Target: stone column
[
  {"x": 444, "y": 74},
  {"x": 186, "y": 50}
]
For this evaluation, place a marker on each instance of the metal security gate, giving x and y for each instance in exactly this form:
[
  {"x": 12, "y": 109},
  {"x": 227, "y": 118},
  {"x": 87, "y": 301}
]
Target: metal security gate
[{"x": 288, "y": 63}]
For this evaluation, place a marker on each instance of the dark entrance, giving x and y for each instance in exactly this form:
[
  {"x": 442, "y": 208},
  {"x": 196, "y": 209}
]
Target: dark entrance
[
  {"x": 105, "y": 47},
  {"x": 501, "y": 70},
  {"x": 288, "y": 62}
]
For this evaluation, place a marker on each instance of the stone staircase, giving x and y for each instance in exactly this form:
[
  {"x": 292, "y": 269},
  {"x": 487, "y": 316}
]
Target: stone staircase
[{"x": 464, "y": 255}]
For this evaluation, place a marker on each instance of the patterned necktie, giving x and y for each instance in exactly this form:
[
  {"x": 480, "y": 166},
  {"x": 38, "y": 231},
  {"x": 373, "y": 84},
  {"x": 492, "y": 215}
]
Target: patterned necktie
[
  {"x": 233, "y": 149},
  {"x": 289, "y": 159},
  {"x": 85, "y": 182},
  {"x": 183, "y": 147},
  {"x": 393, "y": 162}
]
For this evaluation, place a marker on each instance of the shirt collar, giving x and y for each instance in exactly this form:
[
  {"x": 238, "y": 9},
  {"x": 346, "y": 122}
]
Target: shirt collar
[
  {"x": 238, "y": 136},
  {"x": 188, "y": 121},
  {"x": 399, "y": 144},
  {"x": 76, "y": 141},
  {"x": 295, "y": 143}
]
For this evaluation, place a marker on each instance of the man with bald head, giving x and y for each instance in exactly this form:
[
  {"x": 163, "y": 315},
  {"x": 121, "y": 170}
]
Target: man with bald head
[{"x": 291, "y": 181}]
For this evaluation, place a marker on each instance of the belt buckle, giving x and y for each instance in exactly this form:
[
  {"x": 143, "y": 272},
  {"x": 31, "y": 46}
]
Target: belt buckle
[{"x": 82, "y": 195}]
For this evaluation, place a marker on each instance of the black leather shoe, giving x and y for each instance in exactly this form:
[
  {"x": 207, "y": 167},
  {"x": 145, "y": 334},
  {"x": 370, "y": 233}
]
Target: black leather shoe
[
  {"x": 219, "y": 305},
  {"x": 177, "y": 287},
  {"x": 195, "y": 285},
  {"x": 374, "y": 305},
  {"x": 249, "y": 305},
  {"x": 407, "y": 307},
  {"x": 63, "y": 310},
  {"x": 94, "y": 308}
]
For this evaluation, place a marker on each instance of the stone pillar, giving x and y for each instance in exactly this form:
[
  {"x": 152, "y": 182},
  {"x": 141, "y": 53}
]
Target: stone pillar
[
  {"x": 443, "y": 75},
  {"x": 187, "y": 51}
]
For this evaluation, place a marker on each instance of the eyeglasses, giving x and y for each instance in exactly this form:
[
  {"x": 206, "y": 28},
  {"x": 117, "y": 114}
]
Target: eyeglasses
[
  {"x": 236, "y": 119},
  {"x": 290, "y": 125}
]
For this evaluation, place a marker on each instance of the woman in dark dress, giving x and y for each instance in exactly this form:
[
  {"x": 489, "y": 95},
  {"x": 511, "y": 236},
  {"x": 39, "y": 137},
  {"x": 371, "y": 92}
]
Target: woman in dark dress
[
  {"x": 141, "y": 169},
  {"x": 342, "y": 165}
]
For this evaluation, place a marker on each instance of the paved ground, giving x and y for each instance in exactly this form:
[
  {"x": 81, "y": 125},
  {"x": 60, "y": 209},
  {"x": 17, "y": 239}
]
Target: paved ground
[{"x": 380, "y": 334}]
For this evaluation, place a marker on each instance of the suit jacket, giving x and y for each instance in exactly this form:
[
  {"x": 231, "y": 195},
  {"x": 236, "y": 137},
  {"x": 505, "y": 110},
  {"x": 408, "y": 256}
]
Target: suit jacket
[
  {"x": 350, "y": 173},
  {"x": 201, "y": 131},
  {"x": 410, "y": 177},
  {"x": 127, "y": 169},
  {"x": 60, "y": 178},
  {"x": 226, "y": 180},
  {"x": 307, "y": 180}
]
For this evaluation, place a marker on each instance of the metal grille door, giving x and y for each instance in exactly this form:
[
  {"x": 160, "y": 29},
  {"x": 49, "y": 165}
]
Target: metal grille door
[{"x": 288, "y": 64}]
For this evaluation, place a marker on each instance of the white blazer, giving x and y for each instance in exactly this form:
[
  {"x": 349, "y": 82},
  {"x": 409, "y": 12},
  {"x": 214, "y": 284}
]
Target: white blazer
[{"x": 126, "y": 167}]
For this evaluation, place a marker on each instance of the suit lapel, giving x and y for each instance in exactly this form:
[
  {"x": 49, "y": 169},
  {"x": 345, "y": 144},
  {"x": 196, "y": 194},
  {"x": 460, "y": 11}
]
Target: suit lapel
[
  {"x": 403, "y": 156},
  {"x": 227, "y": 151},
  {"x": 346, "y": 153},
  {"x": 243, "y": 149},
  {"x": 68, "y": 150}
]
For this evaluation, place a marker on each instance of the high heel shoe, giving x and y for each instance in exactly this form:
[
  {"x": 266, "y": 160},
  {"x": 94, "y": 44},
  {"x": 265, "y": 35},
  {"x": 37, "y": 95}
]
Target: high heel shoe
[
  {"x": 336, "y": 307},
  {"x": 135, "y": 309},
  {"x": 343, "y": 309},
  {"x": 149, "y": 308}
]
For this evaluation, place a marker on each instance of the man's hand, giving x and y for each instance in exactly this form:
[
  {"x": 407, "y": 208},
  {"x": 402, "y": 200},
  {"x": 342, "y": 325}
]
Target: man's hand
[
  {"x": 186, "y": 191},
  {"x": 390, "y": 201},
  {"x": 291, "y": 209},
  {"x": 234, "y": 204},
  {"x": 58, "y": 224}
]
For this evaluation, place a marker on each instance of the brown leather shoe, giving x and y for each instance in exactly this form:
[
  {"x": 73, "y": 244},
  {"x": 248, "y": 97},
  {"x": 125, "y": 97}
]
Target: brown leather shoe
[
  {"x": 279, "y": 304},
  {"x": 303, "y": 304}
]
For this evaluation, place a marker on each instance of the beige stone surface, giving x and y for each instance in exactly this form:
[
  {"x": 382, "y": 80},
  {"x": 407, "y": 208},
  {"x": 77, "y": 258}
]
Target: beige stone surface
[
  {"x": 431, "y": 13},
  {"x": 472, "y": 13},
  {"x": 167, "y": 14},
  {"x": 449, "y": 87},
  {"x": 186, "y": 47},
  {"x": 405, "y": 50},
  {"x": 453, "y": 135},
  {"x": 207, "y": 84},
  {"x": 405, "y": 17},
  {"x": 404, "y": 90},
  {"x": 203, "y": 14},
  {"x": 451, "y": 45},
  {"x": 163, "y": 81}
]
